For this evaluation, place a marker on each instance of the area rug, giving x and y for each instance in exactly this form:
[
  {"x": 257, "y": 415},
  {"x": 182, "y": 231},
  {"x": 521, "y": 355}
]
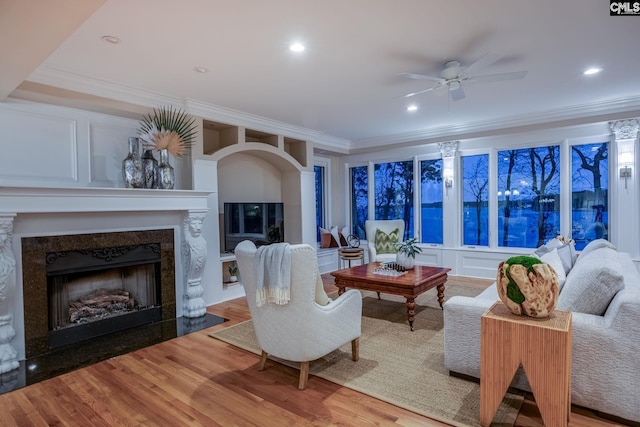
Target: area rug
[{"x": 398, "y": 366}]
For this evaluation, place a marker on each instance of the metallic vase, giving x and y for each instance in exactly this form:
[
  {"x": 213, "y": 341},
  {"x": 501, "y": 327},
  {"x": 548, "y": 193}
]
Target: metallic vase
[
  {"x": 132, "y": 173},
  {"x": 150, "y": 169},
  {"x": 166, "y": 173}
]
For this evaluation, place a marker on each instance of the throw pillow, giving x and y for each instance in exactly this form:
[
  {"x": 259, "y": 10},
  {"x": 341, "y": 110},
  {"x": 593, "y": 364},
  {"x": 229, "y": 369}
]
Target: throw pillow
[
  {"x": 553, "y": 259},
  {"x": 592, "y": 283},
  {"x": 326, "y": 239},
  {"x": 566, "y": 252},
  {"x": 386, "y": 243}
]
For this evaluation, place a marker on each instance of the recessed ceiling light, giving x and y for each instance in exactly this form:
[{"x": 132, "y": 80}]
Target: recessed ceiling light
[
  {"x": 111, "y": 39},
  {"x": 592, "y": 70},
  {"x": 200, "y": 69},
  {"x": 412, "y": 108},
  {"x": 296, "y": 47}
]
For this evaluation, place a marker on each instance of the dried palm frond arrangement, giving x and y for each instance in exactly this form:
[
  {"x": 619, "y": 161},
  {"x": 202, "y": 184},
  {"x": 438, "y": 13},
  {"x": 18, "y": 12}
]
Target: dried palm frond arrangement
[{"x": 167, "y": 128}]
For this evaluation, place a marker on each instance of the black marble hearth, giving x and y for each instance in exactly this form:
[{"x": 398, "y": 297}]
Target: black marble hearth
[{"x": 82, "y": 354}]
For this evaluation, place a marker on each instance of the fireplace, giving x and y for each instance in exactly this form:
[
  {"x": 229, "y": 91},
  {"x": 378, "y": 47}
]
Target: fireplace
[{"x": 79, "y": 287}]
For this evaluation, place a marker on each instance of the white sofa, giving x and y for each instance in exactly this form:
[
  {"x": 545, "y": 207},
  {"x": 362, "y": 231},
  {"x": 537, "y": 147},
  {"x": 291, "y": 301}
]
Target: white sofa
[{"x": 602, "y": 289}]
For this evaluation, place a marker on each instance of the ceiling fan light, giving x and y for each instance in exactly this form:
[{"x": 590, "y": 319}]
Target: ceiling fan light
[{"x": 454, "y": 85}]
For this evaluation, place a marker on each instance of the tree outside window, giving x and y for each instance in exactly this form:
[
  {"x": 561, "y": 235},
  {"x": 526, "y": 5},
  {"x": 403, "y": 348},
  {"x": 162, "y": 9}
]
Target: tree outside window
[
  {"x": 393, "y": 183},
  {"x": 475, "y": 200},
  {"x": 359, "y": 199},
  {"x": 431, "y": 201},
  {"x": 589, "y": 193},
  {"x": 528, "y": 196}
]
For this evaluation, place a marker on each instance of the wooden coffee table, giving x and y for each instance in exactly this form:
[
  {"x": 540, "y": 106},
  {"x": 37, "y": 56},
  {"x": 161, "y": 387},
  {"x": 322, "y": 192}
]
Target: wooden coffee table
[{"x": 415, "y": 282}]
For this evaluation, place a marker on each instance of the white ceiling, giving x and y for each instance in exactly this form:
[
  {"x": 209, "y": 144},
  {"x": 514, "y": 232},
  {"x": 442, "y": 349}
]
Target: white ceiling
[{"x": 345, "y": 84}]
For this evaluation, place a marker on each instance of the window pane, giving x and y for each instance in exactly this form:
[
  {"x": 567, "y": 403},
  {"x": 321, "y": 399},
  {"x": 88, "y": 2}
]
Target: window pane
[
  {"x": 528, "y": 196},
  {"x": 589, "y": 193},
  {"x": 475, "y": 200},
  {"x": 431, "y": 200},
  {"x": 393, "y": 183},
  {"x": 319, "y": 171},
  {"x": 359, "y": 200}
]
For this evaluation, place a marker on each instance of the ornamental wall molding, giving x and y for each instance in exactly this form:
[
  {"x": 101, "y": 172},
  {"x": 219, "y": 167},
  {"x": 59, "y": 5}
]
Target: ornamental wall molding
[
  {"x": 448, "y": 149},
  {"x": 625, "y": 129}
]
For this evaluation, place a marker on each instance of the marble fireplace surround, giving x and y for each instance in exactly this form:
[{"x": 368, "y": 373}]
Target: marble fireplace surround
[{"x": 41, "y": 212}]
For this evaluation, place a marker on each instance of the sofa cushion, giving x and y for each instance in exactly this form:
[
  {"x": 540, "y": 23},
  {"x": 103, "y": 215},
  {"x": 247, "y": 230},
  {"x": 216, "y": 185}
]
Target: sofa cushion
[
  {"x": 553, "y": 259},
  {"x": 386, "y": 243},
  {"x": 597, "y": 244},
  {"x": 592, "y": 283}
]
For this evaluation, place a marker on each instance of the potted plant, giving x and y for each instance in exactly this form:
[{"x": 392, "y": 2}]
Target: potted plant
[
  {"x": 407, "y": 251},
  {"x": 168, "y": 130},
  {"x": 233, "y": 273}
]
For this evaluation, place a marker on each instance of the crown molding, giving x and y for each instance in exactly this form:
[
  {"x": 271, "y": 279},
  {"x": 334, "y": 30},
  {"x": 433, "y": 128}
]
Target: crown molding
[
  {"x": 57, "y": 77},
  {"x": 606, "y": 110},
  {"x": 240, "y": 118},
  {"x": 579, "y": 114}
]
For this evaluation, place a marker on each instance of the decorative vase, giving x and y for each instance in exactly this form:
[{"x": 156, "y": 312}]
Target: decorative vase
[
  {"x": 405, "y": 260},
  {"x": 166, "y": 173},
  {"x": 150, "y": 169},
  {"x": 233, "y": 278},
  {"x": 132, "y": 166},
  {"x": 527, "y": 285}
]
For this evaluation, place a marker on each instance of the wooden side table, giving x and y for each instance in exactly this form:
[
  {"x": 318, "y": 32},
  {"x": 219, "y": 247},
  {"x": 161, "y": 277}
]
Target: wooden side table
[
  {"x": 542, "y": 346},
  {"x": 350, "y": 254}
]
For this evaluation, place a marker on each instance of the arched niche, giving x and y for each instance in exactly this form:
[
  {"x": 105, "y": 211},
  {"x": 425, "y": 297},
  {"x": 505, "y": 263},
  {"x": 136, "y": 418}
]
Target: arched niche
[{"x": 257, "y": 174}]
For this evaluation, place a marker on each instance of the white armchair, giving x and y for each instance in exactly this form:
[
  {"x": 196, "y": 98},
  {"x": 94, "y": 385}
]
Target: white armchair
[
  {"x": 386, "y": 226},
  {"x": 301, "y": 330}
]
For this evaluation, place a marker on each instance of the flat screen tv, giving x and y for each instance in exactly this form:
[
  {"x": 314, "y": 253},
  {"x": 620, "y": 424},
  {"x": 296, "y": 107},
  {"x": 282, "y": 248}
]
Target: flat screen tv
[{"x": 260, "y": 222}]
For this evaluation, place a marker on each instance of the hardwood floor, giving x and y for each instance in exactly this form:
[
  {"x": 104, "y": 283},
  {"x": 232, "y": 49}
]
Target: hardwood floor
[{"x": 195, "y": 380}]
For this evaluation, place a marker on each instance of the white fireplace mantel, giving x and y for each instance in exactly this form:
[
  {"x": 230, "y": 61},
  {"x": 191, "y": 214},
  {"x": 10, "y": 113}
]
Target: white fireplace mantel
[{"x": 59, "y": 200}]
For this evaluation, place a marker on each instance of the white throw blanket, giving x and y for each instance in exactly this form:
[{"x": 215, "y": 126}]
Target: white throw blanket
[{"x": 273, "y": 274}]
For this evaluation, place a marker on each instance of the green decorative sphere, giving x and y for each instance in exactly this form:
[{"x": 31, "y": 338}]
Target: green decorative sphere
[{"x": 527, "y": 286}]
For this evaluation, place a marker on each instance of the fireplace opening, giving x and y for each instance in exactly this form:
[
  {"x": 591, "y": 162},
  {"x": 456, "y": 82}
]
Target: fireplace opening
[{"x": 96, "y": 292}]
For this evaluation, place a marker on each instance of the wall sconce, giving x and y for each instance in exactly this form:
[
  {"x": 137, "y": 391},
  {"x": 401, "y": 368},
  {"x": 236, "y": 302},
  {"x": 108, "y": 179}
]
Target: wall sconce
[
  {"x": 448, "y": 151},
  {"x": 625, "y": 160},
  {"x": 625, "y": 132},
  {"x": 447, "y": 171}
]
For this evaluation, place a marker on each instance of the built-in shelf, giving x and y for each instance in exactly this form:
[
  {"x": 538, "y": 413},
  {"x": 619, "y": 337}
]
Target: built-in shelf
[
  {"x": 228, "y": 260},
  {"x": 217, "y": 136}
]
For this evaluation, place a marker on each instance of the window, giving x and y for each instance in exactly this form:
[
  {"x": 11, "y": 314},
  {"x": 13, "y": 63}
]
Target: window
[
  {"x": 359, "y": 199},
  {"x": 431, "y": 201},
  {"x": 319, "y": 172},
  {"x": 528, "y": 196},
  {"x": 475, "y": 200},
  {"x": 589, "y": 193},
  {"x": 393, "y": 183}
]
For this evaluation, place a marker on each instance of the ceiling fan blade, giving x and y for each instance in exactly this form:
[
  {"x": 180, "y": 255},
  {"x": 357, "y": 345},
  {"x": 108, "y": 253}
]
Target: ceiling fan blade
[
  {"x": 422, "y": 77},
  {"x": 516, "y": 75},
  {"x": 457, "y": 94},
  {"x": 485, "y": 61},
  {"x": 409, "y": 95}
]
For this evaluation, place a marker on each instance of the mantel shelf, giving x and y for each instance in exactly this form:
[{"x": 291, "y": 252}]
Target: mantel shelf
[{"x": 50, "y": 200}]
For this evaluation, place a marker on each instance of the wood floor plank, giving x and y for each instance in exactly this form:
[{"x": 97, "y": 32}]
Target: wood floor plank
[{"x": 195, "y": 380}]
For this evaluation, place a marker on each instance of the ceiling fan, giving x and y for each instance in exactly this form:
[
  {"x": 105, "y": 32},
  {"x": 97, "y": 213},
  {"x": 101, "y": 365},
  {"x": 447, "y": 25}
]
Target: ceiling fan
[{"x": 453, "y": 75}]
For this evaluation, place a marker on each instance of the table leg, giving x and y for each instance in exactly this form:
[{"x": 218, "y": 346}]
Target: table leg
[
  {"x": 411, "y": 311},
  {"x": 341, "y": 290},
  {"x": 440, "y": 294}
]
